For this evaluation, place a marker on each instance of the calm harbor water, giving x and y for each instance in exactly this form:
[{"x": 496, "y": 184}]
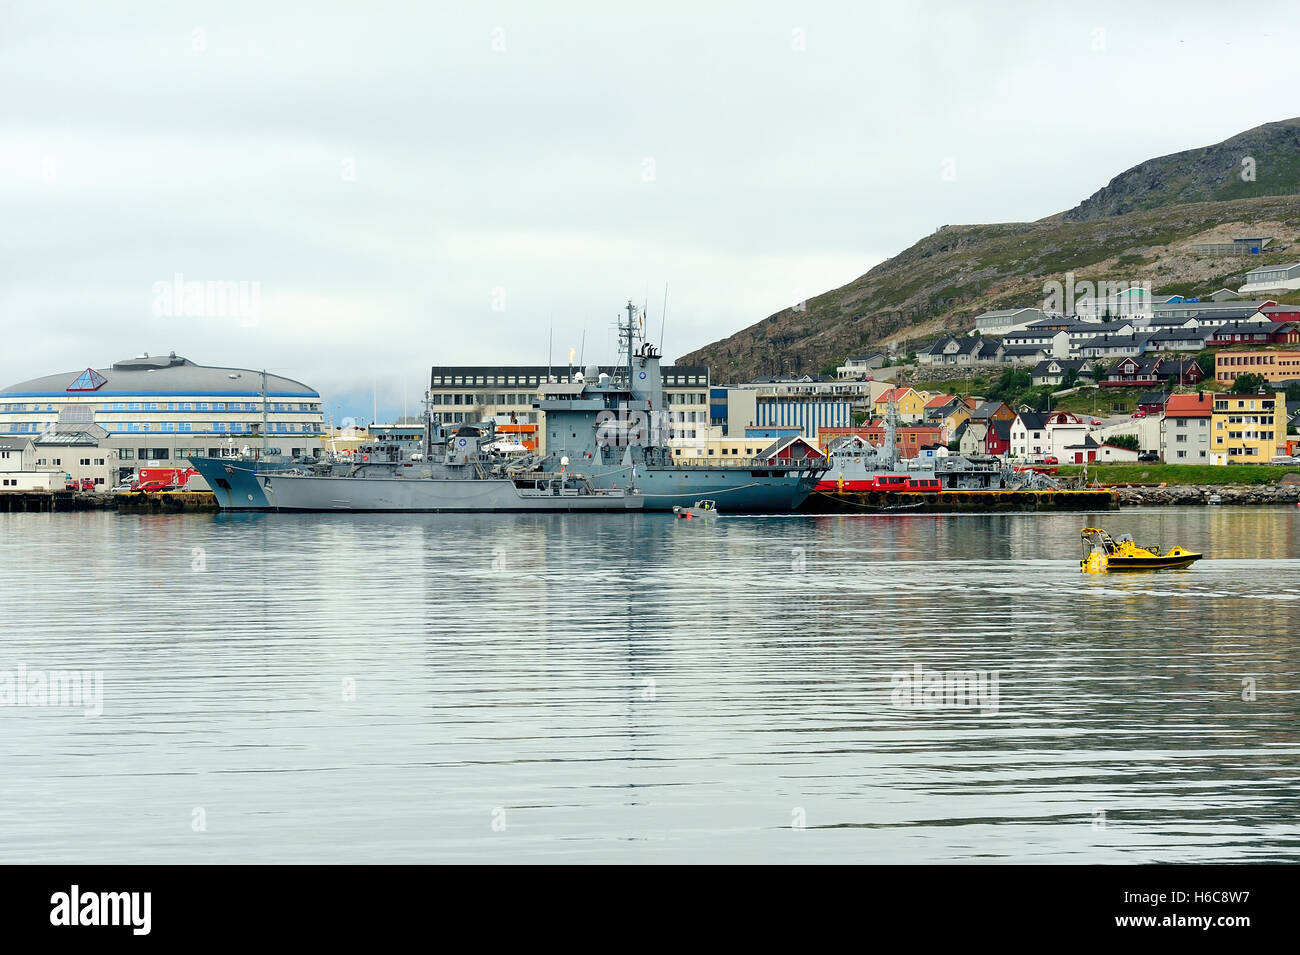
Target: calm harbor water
[{"x": 358, "y": 688}]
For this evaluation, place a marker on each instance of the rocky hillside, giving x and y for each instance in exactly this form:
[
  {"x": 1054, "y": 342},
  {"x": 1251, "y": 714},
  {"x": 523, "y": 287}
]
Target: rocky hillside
[
  {"x": 1139, "y": 228},
  {"x": 1268, "y": 155}
]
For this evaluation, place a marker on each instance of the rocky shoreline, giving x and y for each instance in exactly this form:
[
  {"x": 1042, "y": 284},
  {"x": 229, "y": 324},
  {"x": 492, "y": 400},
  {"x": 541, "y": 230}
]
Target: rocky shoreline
[{"x": 1281, "y": 494}]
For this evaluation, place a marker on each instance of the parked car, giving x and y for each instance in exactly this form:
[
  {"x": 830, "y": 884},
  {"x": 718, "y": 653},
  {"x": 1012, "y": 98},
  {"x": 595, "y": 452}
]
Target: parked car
[
  {"x": 1051, "y": 459},
  {"x": 1138, "y": 414},
  {"x": 152, "y": 487},
  {"x": 122, "y": 488},
  {"x": 1148, "y": 457},
  {"x": 1096, "y": 422}
]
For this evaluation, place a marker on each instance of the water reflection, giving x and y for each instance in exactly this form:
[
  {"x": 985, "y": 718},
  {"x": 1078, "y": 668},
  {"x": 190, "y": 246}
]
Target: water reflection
[{"x": 636, "y": 687}]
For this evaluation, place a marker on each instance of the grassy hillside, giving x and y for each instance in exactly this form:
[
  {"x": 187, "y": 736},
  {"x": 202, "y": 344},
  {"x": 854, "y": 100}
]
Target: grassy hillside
[{"x": 944, "y": 280}]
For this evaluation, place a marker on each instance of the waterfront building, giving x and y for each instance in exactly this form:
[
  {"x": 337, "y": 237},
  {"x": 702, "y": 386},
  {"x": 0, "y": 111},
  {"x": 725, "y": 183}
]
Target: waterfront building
[
  {"x": 909, "y": 439},
  {"x": 465, "y": 394},
  {"x": 18, "y": 468},
  {"x": 1185, "y": 430},
  {"x": 1247, "y": 428},
  {"x": 713, "y": 447},
  {"x": 801, "y": 405},
  {"x": 1272, "y": 364},
  {"x": 154, "y": 411}
]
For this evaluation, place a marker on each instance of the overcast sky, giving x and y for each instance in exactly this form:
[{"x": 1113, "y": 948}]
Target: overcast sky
[{"x": 414, "y": 185}]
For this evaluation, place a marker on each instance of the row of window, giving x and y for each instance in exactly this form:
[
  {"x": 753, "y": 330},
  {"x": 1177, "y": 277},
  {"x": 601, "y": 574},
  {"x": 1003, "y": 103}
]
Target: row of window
[
  {"x": 469, "y": 398},
  {"x": 1268, "y": 404},
  {"x": 454, "y": 399},
  {"x": 526, "y": 380},
  {"x": 459, "y": 417},
  {"x": 283, "y": 406},
  {"x": 1258, "y": 358}
]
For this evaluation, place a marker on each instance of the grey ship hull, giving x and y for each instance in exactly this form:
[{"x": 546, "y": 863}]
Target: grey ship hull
[
  {"x": 240, "y": 486},
  {"x": 737, "y": 490}
]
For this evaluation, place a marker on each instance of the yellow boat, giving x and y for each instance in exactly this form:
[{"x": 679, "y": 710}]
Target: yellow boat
[{"x": 1103, "y": 553}]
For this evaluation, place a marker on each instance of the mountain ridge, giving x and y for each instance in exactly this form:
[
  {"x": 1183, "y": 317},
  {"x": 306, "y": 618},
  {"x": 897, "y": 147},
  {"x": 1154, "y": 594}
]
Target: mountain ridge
[{"x": 1138, "y": 227}]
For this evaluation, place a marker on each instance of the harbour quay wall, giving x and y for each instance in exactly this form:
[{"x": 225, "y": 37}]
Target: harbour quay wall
[
  {"x": 1192, "y": 494},
  {"x": 50, "y": 502},
  {"x": 957, "y": 502}
]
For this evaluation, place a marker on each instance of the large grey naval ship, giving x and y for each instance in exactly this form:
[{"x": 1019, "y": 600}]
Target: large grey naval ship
[{"x": 606, "y": 450}]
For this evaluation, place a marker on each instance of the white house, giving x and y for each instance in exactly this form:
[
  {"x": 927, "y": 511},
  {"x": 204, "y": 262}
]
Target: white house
[
  {"x": 1053, "y": 370},
  {"x": 18, "y": 468},
  {"x": 855, "y": 366},
  {"x": 1185, "y": 430},
  {"x": 973, "y": 435},
  {"x": 17, "y": 454},
  {"x": 1064, "y": 429},
  {"x": 1112, "y": 452},
  {"x": 1029, "y": 436},
  {"x": 1056, "y": 343},
  {"x": 1272, "y": 278}
]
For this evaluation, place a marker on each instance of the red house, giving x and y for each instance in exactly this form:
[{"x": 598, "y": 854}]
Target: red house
[
  {"x": 790, "y": 451},
  {"x": 1254, "y": 333},
  {"x": 998, "y": 438},
  {"x": 1152, "y": 371}
]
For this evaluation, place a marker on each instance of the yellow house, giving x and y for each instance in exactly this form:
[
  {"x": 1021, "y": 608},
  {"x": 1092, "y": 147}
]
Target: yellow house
[
  {"x": 910, "y": 402},
  {"x": 952, "y": 421},
  {"x": 1247, "y": 429}
]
